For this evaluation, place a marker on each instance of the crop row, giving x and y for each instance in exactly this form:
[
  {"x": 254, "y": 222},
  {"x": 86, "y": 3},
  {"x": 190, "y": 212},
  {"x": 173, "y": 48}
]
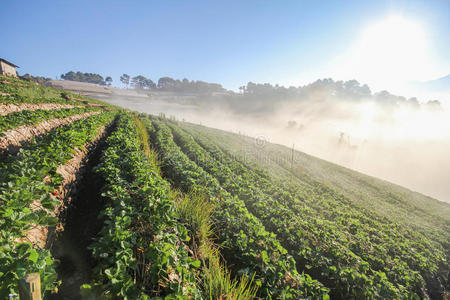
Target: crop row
[
  {"x": 293, "y": 173},
  {"x": 294, "y": 232},
  {"x": 419, "y": 217},
  {"x": 416, "y": 211},
  {"x": 26, "y": 201},
  {"x": 27, "y": 117},
  {"x": 329, "y": 250},
  {"x": 140, "y": 250},
  {"x": 247, "y": 246},
  {"x": 406, "y": 255}
]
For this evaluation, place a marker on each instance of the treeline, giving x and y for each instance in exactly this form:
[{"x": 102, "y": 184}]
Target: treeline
[
  {"x": 326, "y": 89},
  {"x": 37, "y": 79},
  {"x": 140, "y": 82},
  {"x": 169, "y": 84},
  {"x": 258, "y": 94},
  {"x": 87, "y": 77}
]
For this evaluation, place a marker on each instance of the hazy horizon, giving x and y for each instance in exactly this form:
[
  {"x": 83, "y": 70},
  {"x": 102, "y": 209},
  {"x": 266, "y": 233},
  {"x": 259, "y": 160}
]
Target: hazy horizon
[
  {"x": 365, "y": 137},
  {"x": 391, "y": 46}
]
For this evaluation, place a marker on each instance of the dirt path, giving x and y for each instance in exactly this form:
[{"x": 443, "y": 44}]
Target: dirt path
[
  {"x": 80, "y": 226},
  {"x": 70, "y": 172}
]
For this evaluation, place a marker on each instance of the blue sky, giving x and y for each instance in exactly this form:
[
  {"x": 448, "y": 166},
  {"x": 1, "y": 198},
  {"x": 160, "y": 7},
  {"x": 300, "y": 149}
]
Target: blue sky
[{"x": 229, "y": 42}]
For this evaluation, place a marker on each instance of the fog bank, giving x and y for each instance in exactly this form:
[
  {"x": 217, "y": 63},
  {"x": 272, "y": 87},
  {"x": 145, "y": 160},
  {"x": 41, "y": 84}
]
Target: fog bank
[{"x": 404, "y": 144}]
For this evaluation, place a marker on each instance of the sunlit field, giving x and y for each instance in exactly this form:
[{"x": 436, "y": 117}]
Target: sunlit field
[{"x": 225, "y": 150}]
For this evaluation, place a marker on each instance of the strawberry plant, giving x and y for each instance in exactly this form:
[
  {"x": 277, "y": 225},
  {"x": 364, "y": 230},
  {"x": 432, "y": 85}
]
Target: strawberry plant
[
  {"x": 140, "y": 250},
  {"x": 354, "y": 251},
  {"x": 245, "y": 241},
  {"x": 27, "y": 117},
  {"x": 26, "y": 201}
]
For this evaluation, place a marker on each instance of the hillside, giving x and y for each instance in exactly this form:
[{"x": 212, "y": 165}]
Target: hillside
[{"x": 105, "y": 202}]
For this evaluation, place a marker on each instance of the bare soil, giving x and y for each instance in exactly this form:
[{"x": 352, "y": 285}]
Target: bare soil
[
  {"x": 6, "y": 109},
  {"x": 81, "y": 222},
  {"x": 13, "y": 139},
  {"x": 71, "y": 172}
]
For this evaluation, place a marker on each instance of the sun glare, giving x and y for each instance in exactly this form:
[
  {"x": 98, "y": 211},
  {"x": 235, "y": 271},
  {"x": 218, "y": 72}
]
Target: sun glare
[{"x": 391, "y": 51}]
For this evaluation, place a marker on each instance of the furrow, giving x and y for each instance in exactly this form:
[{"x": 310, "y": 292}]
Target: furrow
[
  {"x": 71, "y": 172},
  {"x": 14, "y": 138},
  {"x": 8, "y": 108}
]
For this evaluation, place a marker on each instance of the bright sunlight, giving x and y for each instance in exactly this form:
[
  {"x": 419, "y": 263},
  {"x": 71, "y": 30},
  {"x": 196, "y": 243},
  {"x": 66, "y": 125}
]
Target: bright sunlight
[{"x": 393, "y": 50}]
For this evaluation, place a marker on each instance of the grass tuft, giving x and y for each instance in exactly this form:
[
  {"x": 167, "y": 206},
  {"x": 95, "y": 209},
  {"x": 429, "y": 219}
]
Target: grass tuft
[
  {"x": 144, "y": 140},
  {"x": 195, "y": 210}
]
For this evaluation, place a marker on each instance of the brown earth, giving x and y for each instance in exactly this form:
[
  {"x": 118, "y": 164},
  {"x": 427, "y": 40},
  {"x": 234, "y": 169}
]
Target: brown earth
[
  {"x": 7, "y": 82},
  {"x": 6, "y": 109},
  {"x": 70, "y": 171},
  {"x": 81, "y": 223},
  {"x": 14, "y": 138},
  {"x": 72, "y": 168}
]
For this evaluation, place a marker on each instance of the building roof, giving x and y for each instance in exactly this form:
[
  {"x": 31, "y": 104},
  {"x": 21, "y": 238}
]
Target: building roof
[{"x": 9, "y": 63}]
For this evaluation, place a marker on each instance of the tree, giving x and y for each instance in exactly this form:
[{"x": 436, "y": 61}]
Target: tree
[
  {"x": 37, "y": 79},
  {"x": 83, "y": 77},
  {"x": 149, "y": 84},
  {"x": 69, "y": 76},
  {"x": 139, "y": 82},
  {"x": 108, "y": 80},
  {"x": 125, "y": 79},
  {"x": 166, "y": 83}
]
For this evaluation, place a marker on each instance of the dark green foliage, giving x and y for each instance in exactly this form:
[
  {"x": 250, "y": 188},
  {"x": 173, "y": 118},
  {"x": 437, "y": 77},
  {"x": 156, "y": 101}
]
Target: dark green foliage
[
  {"x": 108, "y": 80},
  {"x": 140, "y": 250},
  {"x": 125, "y": 79},
  {"x": 36, "y": 79},
  {"x": 199, "y": 87},
  {"x": 355, "y": 251},
  {"x": 247, "y": 245},
  {"x": 21, "y": 185},
  {"x": 27, "y": 117},
  {"x": 84, "y": 77},
  {"x": 140, "y": 82},
  {"x": 299, "y": 227}
]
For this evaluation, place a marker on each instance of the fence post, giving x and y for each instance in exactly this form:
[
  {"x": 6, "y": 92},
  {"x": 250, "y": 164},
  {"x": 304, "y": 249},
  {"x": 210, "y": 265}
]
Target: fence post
[{"x": 30, "y": 287}]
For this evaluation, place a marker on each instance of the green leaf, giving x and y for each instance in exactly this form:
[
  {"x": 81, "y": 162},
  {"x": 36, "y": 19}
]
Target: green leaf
[
  {"x": 196, "y": 263},
  {"x": 34, "y": 255},
  {"x": 265, "y": 257},
  {"x": 48, "y": 220}
]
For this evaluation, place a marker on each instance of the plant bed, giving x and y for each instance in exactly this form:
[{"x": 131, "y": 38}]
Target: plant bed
[
  {"x": 22, "y": 186},
  {"x": 246, "y": 245},
  {"x": 78, "y": 218},
  {"x": 140, "y": 251},
  {"x": 8, "y": 108},
  {"x": 13, "y": 139}
]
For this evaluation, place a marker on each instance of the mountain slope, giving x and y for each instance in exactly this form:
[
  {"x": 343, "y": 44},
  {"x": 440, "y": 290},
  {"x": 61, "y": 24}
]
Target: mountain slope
[
  {"x": 420, "y": 221},
  {"x": 359, "y": 187},
  {"x": 133, "y": 206}
]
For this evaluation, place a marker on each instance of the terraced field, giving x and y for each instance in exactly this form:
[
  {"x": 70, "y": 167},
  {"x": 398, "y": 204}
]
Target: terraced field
[{"x": 107, "y": 203}]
